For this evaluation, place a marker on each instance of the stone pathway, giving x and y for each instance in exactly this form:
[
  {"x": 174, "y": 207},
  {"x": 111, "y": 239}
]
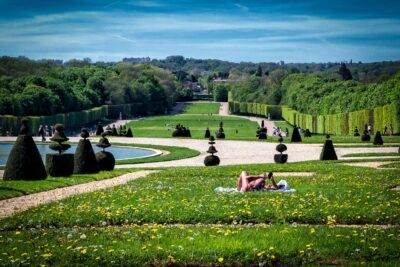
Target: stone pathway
[
  {"x": 373, "y": 164},
  {"x": 10, "y": 206}
]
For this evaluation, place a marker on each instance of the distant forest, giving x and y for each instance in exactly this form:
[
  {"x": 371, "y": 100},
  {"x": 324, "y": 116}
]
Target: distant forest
[{"x": 45, "y": 87}]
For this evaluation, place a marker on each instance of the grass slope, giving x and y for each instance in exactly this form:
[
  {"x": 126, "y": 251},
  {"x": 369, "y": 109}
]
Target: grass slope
[
  {"x": 201, "y": 108},
  {"x": 383, "y": 154}
]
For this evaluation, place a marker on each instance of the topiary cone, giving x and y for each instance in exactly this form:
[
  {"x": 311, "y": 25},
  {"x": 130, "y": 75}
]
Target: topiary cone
[
  {"x": 84, "y": 158},
  {"x": 328, "y": 151},
  {"x": 378, "y": 138},
  {"x": 24, "y": 161},
  {"x": 129, "y": 133},
  {"x": 295, "y": 135}
]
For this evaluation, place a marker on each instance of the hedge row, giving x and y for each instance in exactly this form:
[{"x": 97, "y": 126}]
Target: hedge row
[
  {"x": 70, "y": 119},
  {"x": 345, "y": 123},
  {"x": 255, "y": 109},
  {"x": 75, "y": 119}
]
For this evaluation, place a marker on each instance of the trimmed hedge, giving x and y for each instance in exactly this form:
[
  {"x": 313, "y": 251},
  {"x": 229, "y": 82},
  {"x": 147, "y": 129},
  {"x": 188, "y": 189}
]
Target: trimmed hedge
[
  {"x": 345, "y": 123},
  {"x": 255, "y": 109},
  {"x": 338, "y": 124},
  {"x": 71, "y": 119}
]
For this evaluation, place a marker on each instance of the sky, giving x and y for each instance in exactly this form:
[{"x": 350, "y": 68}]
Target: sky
[{"x": 256, "y": 31}]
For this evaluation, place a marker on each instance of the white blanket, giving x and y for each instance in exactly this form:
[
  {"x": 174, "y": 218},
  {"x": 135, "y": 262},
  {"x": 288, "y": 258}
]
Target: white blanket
[{"x": 285, "y": 188}]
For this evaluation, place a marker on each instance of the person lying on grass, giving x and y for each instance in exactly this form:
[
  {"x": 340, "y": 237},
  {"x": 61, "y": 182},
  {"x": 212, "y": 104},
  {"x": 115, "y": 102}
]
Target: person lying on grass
[{"x": 248, "y": 182}]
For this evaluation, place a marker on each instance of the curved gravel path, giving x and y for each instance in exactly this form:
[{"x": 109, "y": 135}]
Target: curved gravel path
[{"x": 17, "y": 204}]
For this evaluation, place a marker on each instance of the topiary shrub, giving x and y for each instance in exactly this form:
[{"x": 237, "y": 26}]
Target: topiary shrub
[
  {"x": 99, "y": 129},
  {"x": 211, "y": 160},
  {"x": 356, "y": 133},
  {"x": 84, "y": 158},
  {"x": 307, "y": 133},
  {"x": 114, "y": 130},
  {"x": 378, "y": 139},
  {"x": 295, "y": 135},
  {"x": 105, "y": 159},
  {"x": 129, "y": 133},
  {"x": 328, "y": 151},
  {"x": 59, "y": 164},
  {"x": 365, "y": 137},
  {"x": 24, "y": 161},
  {"x": 181, "y": 131},
  {"x": 262, "y": 133},
  {"x": 281, "y": 158},
  {"x": 207, "y": 134}
]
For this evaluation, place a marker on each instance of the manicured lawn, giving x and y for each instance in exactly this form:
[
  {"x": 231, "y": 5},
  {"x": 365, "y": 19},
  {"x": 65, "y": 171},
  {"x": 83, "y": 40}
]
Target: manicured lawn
[
  {"x": 173, "y": 153},
  {"x": 202, "y": 108},
  {"x": 320, "y": 138},
  {"x": 10, "y": 189},
  {"x": 372, "y": 154},
  {"x": 392, "y": 165},
  {"x": 162, "y": 127},
  {"x": 111, "y": 227}
]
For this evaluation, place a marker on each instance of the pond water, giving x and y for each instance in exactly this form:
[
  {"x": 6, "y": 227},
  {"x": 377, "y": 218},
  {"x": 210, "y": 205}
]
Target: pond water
[{"x": 118, "y": 152}]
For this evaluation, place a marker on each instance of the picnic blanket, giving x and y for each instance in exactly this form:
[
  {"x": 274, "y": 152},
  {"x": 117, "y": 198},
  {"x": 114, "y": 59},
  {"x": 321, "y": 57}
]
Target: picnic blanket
[{"x": 285, "y": 189}]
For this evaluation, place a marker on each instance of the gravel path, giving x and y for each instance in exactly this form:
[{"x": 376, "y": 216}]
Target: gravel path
[
  {"x": 374, "y": 164},
  {"x": 10, "y": 206}
]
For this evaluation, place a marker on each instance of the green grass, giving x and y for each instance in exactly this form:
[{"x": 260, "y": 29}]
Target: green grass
[
  {"x": 174, "y": 153},
  {"x": 158, "y": 245},
  {"x": 391, "y": 165},
  {"x": 9, "y": 189},
  {"x": 162, "y": 127},
  {"x": 372, "y": 154},
  {"x": 115, "y": 226},
  {"x": 320, "y": 138},
  {"x": 201, "y": 108}
]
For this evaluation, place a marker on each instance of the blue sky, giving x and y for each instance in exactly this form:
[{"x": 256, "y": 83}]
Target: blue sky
[{"x": 258, "y": 31}]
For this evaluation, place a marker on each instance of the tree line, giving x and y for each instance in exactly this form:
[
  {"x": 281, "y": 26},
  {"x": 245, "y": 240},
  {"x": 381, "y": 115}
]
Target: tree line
[{"x": 30, "y": 87}]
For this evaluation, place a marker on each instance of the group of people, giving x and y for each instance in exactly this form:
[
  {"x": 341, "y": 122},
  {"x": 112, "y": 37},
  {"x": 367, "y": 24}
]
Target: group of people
[
  {"x": 46, "y": 131},
  {"x": 277, "y": 131}
]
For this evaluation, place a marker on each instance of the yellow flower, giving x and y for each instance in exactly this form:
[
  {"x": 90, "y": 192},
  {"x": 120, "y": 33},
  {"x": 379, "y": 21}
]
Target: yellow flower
[
  {"x": 83, "y": 251},
  {"x": 312, "y": 230},
  {"x": 220, "y": 259},
  {"x": 171, "y": 259},
  {"x": 47, "y": 255},
  {"x": 17, "y": 233}
]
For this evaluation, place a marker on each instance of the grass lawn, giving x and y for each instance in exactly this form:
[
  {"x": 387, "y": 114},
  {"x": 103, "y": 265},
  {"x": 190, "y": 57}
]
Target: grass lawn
[
  {"x": 175, "y": 216},
  {"x": 372, "y": 154},
  {"x": 174, "y": 153},
  {"x": 202, "y": 108},
  {"x": 320, "y": 138},
  {"x": 10, "y": 189},
  {"x": 162, "y": 127}
]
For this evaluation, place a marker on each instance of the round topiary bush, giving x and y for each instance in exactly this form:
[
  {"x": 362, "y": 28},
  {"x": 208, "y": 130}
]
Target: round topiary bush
[
  {"x": 59, "y": 164},
  {"x": 328, "y": 151},
  {"x": 295, "y": 135},
  {"x": 281, "y": 158},
  {"x": 307, "y": 133},
  {"x": 24, "y": 161},
  {"x": 84, "y": 158},
  {"x": 378, "y": 139},
  {"x": 211, "y": 160},
  {"x": 365, "y": 137},
  {"x": 105, "y": 161}
]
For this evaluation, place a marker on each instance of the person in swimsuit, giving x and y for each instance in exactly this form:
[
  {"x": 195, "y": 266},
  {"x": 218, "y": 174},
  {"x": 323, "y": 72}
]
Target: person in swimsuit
[{"x": 248, "y": 182}]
